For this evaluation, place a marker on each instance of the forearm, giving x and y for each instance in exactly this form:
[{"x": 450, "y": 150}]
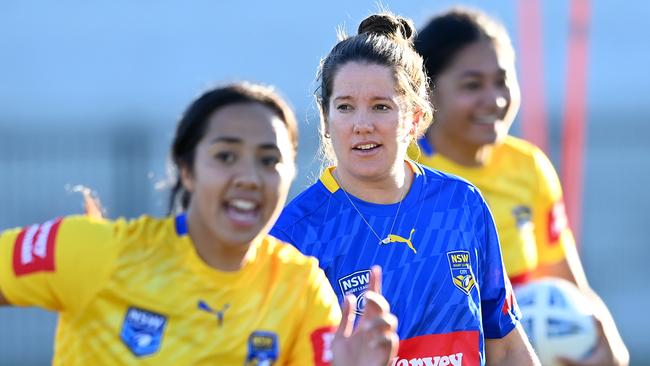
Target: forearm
[
  {"x": 571, "y": 269},
  {"x": 511, "y": 350},
  {"x": 610, "y": 332}
]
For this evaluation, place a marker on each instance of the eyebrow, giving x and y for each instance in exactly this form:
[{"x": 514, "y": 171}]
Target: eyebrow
[
  {"x": 475, "y": 73},
  {"x": 237, "y": 140},
  {"x": 347, "y": 97}
]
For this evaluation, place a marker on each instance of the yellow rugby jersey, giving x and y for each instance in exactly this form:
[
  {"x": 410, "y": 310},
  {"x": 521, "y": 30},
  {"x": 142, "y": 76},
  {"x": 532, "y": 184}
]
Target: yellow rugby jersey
[
  {"x": 524, "y": 193},
  {"x": 137, "y": 293}
]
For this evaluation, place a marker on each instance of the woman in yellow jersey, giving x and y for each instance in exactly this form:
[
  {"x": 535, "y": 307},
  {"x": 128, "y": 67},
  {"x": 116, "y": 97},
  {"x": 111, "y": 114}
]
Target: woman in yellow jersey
[
  {"x": 471, "y": 64},
  {"x": 207, "y": 286}
]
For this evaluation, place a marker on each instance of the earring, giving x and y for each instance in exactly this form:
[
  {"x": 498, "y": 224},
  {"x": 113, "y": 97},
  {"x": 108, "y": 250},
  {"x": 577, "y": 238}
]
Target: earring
[{"x": 327, "y": 135}]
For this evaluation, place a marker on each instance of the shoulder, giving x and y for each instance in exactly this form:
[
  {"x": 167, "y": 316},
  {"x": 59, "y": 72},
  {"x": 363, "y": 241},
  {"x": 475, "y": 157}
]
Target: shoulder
[
  {"x": 445, "y": 183},
  {"x": 288, "y": 259},
  {"x": 518, "y": 149},
  {"x": 528, "y": 157},
  {"x": 141, "y": 232},
  {"x": 304, "y": 204}
]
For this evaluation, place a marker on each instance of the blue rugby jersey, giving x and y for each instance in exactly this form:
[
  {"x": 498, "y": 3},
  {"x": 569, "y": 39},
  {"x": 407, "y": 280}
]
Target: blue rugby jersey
[{"x": 442, "y": 269}]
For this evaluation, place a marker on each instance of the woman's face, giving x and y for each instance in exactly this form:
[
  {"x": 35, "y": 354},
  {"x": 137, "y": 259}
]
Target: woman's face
[
  {"x": 476, "y": 97},
  {"x": 243, "y": 168},
  {"x": 369, "y": 123}
]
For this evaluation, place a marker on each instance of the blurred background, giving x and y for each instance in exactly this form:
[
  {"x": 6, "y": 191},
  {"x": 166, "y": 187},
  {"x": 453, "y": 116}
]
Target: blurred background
[{"x": 90, "y": 93}]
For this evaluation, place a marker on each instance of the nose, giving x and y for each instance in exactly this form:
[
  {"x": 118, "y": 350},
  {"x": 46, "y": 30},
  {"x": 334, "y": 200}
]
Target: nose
[
  {"x": 497, "y": 98},
  {"x": 248, "y": 177},
  {"x": 362, "y": 124}
]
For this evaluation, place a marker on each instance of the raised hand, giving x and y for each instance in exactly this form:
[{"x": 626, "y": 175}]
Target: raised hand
[{"x": 374, "y": 341}]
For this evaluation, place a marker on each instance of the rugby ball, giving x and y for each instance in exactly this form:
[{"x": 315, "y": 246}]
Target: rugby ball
[{"x": 557, "y": 318}]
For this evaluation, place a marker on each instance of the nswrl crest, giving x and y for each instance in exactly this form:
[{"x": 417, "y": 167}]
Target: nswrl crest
[
  {"x": 263, "y": 349},
  {"x": 142, "y": 331},
  {"x": 357, "y": 284},
  {"x": 461, "y": 270}
]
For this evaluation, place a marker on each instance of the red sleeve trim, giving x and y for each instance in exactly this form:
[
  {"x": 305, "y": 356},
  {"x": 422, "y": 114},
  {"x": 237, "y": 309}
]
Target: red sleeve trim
[
  {"x": 34, "y": 249},
  {"x": 321, "y": 340}
]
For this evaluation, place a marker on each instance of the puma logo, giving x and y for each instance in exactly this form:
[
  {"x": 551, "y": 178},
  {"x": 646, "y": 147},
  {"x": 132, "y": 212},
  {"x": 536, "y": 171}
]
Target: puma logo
[
  {"x": 392, "y": 238},
  {"x": 219, "y": 313}
]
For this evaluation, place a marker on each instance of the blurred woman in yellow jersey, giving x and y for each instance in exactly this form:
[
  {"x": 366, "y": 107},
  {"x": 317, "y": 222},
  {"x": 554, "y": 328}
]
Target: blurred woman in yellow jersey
[
  {"x": 471, "y": 64},
  {"x": 206, "y": 286}
]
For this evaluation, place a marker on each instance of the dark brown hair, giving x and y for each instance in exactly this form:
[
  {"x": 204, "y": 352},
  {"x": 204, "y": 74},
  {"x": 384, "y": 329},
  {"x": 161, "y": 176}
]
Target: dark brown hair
[
  {"x": 446, "y": 34},
  {"x": 384, "y": 39},
  {"x": 194, "y": 123}
]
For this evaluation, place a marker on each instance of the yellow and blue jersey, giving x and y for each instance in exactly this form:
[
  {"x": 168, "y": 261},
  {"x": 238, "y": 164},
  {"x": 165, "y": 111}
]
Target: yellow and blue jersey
[
  {"x": 137, "y": 293},
  {"x": 525, "y": 196},
  {"x": 442, "y": 270}
]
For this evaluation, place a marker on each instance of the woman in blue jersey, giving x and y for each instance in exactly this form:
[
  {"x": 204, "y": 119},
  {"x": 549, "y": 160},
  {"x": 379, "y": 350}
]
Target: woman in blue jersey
[
  {"x": 470, "y": 60},
  {"x": 207, "y": 286},
  {"x": 431, "y": 233}
]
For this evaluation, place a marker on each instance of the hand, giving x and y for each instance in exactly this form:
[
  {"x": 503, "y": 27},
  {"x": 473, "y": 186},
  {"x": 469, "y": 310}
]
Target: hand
[
  {"x": 602, "y": 355},
  {"x": 92, "y": 206},
  {"x": 374, "y": 342}
]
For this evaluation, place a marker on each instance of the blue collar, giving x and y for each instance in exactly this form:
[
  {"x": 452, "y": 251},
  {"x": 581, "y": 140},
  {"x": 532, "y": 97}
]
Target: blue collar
[{"x": 181, "y": 224}]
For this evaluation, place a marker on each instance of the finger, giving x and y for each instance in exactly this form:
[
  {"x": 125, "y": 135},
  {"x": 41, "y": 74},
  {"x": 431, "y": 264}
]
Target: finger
[
  {"x": 591, "y": 361},
  {"x": 376, "y": 303},
  {"x": 92, "y": 207},
  {"x": 375, "y": 279},
  {"x": 376, "y": 306},
  {"x": 384, "y": 324},
  {"x": 347, "y": 317},
  {"x": 383, "y": 338}
]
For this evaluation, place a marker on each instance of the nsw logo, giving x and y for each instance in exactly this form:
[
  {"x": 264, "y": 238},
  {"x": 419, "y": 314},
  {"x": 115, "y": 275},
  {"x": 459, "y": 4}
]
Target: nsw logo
[
  {"x": 461, "y": 270},
  {"x": 142, "y": 331},
  {"x": 356, "y": 284},
  {"x": 263, "y": 348}
]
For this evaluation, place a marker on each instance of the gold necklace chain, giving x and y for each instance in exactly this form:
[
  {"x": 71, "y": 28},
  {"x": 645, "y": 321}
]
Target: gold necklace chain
[{"x": 386, "y": 239}]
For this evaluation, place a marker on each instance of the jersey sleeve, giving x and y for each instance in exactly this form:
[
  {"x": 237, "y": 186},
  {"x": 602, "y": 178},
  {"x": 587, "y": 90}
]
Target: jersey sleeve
[
  {"x": 280, "y": 234},
  {"x": 499, "y": 309},
  {"x": 552, "y": 232},
  {"x": 320, "y": 319},
  {"x": 57, "y": 265}
]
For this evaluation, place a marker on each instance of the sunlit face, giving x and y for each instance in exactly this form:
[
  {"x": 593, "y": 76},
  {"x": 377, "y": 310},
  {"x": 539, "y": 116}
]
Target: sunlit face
[
  {"x": 242, "y": 171},
  {"x": 477, "y": 96},
  {"x": 368, "y": 121}
]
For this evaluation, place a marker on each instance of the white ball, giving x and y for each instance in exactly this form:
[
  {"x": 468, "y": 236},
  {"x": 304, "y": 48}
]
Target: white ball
[{"x": 557, "y": 318}]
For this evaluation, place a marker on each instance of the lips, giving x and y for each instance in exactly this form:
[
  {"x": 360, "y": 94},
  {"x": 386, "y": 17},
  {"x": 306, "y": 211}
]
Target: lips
[
  {"x": 366, "y": 147},
  {"x": 487, "y": 119},
  {"x": 242, "y": 213}
]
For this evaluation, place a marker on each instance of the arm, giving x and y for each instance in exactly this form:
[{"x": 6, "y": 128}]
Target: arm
[
  {"x": 513, "y": 349},
  {"x": 611, "y": 349},
  {"x": 559, "y": 258}
]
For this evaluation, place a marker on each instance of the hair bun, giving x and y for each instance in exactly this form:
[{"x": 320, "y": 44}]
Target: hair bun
[{"x": 387, "y": 25}]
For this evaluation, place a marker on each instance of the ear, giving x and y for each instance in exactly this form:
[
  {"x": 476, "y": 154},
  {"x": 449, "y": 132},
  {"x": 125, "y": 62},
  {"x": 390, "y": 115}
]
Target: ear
[
  {"x": 187, "y": 178},
  {"x": 416, "y": 119},
  {"x": 325, "y": 127}
]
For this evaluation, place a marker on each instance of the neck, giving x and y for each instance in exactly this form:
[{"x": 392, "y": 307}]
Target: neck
[
  {"x": 384, "y": 190},
  {"x": 459, "y": 152},
  {"x": 215, "y": 254}
]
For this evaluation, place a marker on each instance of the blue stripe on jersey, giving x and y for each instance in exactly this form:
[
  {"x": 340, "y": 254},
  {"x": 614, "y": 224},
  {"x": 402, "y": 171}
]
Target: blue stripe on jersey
[{"x": 447, "y": 213}]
